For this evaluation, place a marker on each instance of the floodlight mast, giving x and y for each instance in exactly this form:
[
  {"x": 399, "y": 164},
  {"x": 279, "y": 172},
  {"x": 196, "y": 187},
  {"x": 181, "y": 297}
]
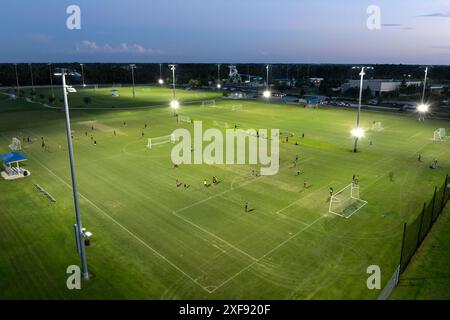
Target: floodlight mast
[
  {"x": 424, "y": 85},
  {"x": 32, "y": 81},
  {"x": 51, "y": 80},
  {"x": 161, "y": 81},
  {"x": 173, "y": 68},
  {"x": 218, "y": 76},
  {"x": 358, "y": 116},
  {"x": 17, "y": 78},
  {"x": 82, "y": 74},
  {"x": 132, "y": 67},
  {"x": 74, "y": 184},
  {"x": 267, "y": 77}
]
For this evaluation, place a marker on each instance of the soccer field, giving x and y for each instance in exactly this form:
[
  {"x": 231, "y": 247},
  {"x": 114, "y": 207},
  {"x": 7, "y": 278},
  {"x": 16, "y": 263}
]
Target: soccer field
[{"x": 154, "y": 240}]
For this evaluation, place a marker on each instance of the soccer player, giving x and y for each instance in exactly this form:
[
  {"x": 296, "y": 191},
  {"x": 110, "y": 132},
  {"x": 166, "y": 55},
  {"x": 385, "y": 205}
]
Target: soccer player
[
  {"x": 205, "y": 184},
  {"x": 145, "y": 126},
  {"x": 303, "y": 135},
  {"x": 95, "y": 142},
  {"x": 115, "y": 133},
  {"x": 85, "y": 133},
  {"x": 419, "y": 157},
  {"x": 92, "y": 128},
  {"x": 331, "y": 192},
  {"x": 142, "y": 134},
  {"x": 246, "y": 206},
  {"x": 305, "y": 184}
]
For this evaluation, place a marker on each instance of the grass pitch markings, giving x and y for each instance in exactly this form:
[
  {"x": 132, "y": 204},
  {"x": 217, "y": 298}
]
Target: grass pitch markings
[{"x": 127, "y": 230}]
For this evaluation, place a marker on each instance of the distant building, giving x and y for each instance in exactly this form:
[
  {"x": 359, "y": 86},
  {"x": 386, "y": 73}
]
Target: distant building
[{"x": 378, "y": 86}]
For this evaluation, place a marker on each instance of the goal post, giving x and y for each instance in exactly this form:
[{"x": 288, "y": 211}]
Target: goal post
[
  {"x": 439, "y": 135},
  {"x": 186, "y": 119},
  {"x": 377, "y": 126},
  {"x": 346, "y": 202},
  {"x": 208, "y": 103},
  {"x": 153, "y": 142},
  {"x": 15, "y": 145},
  {"x": 237, "y": 107}
]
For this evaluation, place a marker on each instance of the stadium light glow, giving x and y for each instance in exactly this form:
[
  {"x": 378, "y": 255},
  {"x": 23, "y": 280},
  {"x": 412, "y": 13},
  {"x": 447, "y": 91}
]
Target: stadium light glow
[
  {"x": 358, "y": 133},
  {"x": 423, "y": 108},
  {"x": 267, "y": 94},
  {"x": 174, "y": 104},
  {"x": 161, "y": 81},
  {"x": 219, "y": 86}
]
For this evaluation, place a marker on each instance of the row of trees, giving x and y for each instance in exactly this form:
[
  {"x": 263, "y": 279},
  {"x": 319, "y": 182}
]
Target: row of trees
[{"x": 100, "y": 73}]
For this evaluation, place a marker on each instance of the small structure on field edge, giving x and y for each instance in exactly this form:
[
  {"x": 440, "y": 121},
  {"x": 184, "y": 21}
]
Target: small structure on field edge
[{"x": 12, "y": 170}]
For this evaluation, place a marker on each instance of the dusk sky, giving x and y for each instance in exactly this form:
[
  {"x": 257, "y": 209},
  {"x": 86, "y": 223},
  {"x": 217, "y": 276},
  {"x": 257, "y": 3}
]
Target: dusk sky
[{"x": 284, "y": 31}]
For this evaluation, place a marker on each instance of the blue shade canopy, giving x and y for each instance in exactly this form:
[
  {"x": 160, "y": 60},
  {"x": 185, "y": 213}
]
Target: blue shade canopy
[{"x": 12, "y": 157}]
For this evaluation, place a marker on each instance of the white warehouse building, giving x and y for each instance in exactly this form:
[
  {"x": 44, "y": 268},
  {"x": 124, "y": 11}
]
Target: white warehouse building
[{"x": 379, "y": 86}]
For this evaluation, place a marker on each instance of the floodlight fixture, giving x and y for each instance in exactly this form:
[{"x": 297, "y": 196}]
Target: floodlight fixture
[
  {"x": 423, "y": 108},
  {"x": 174, "y": 104},
  {"x": 358, "y": 133},
  {"x": 161, "y": 81},
  {"x": 267, "y": 94}
]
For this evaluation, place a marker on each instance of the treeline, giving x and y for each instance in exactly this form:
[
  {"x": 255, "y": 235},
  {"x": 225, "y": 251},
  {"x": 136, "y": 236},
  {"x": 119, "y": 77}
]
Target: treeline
[{"x": 102, "y": 73}]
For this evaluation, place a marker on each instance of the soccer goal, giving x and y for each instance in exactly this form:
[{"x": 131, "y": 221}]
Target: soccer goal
[
  {"x": 236, "y": 107},
  {"x": 15, "y": 145},
  {"x": 186, "y": 119},
  {"x": 221, "y": 124},
  {"x": 346, "y": 202},
  {"x": 153, "y": 142},
  {"x": 377, "y": 126},
  {"x": 440, "y": 135},
  {"x": 208, "y": 103}
]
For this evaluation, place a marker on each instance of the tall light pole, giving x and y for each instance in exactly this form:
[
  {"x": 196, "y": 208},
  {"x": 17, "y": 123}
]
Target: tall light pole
[
  {"x": 423, "y": 108},
  {"x": 32, "y": 81},
  {"x": 132, "y": 67},
  {"x": 51, "y": 80},
  {"x": 218, "y": 77},
  {"x": 358, "y": 132},
  {"x": 174, "y": 104},
  {"x": 267, "y": 93},
  {"x": 173, "y": 68},
  {"x": 17, "y": 78},
  {"x": 82, "y": 74},
  {"x": 424, "y": 85},
  {"x": 160, "y": 80},
  {"x": 78, "y": 226}
]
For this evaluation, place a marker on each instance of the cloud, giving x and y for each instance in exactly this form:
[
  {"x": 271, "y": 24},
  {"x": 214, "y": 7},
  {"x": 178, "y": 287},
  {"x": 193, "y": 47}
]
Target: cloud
[
  {"x": 436, "y": 15},
  {"x": 93, "y": 47}
]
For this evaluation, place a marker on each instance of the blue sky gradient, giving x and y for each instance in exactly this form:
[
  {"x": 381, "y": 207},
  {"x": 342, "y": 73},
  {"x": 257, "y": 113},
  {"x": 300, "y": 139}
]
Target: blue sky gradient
[{"x": 283, "y": 31}]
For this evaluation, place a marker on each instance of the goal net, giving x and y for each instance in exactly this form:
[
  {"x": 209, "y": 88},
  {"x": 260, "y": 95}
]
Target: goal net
[
  {"x": 376, "y": 126},
  {"x": 15, "y": 145},
  {"x": 221, "y": 124},
  {"x": 236, "y": 107},
  {"x": 440, "y": 135},
  {"x": 208, "y": 103},
  {"x": 186, "y": 119},
  {"x": 346, "y": 202},
  {"x": 153, "y": 142}
]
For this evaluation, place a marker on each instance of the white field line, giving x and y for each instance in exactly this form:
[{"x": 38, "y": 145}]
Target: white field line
[
  {"x": 267, "y": 253},
  {"x": 127, "y": 230}
]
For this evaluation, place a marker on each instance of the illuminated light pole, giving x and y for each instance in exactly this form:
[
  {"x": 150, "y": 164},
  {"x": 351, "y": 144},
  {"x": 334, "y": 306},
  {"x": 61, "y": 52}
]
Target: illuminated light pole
[
  {"x": 174, "y": 104},
  {"x": 267, "y": 94},
  {"x": 51, "y": 80},
  {"x": 160, "y": 80},
  {"x": 17, "y": 78},
  {"x": 218, "y": 77},
  {"x": 132, "y": 67},
  {"x": 358, "y": 133},
  {"x": 32, "y": 80},
  {"x": 82, "y": 74},
  {"x": 423, "y": 108},
  {"x": 78, "y": 226}
]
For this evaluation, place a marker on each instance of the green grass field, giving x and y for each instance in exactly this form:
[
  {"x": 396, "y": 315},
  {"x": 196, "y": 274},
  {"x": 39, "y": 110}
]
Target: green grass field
[{"x": 153, "y": 240}]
